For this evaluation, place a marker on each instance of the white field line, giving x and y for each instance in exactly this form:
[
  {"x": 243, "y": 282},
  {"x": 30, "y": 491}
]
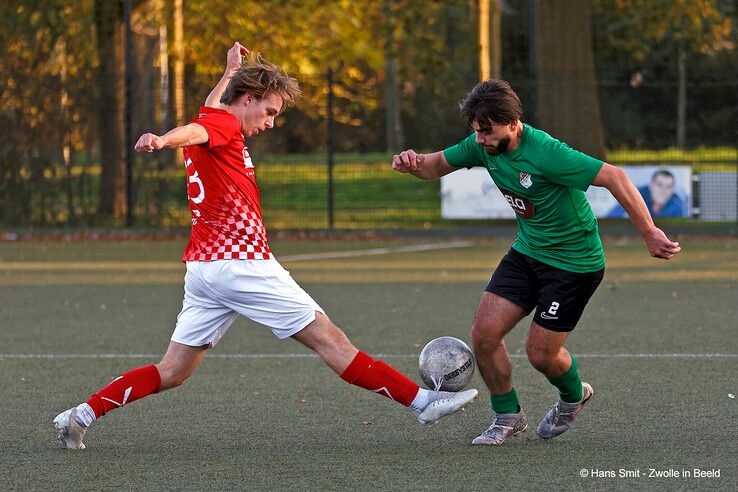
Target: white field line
[
  {"x": 381, "y": 356},
  {"x": 174, "y": 265},
  {"x": 376, "y": 251}
]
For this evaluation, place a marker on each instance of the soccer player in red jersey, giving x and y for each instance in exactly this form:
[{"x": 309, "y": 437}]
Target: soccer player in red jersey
[{"x": 230, "y": 269}]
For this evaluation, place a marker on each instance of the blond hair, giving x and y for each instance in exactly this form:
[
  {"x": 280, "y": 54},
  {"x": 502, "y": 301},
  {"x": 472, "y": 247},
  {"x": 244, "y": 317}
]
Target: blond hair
[{"x": 261, "y": 78}]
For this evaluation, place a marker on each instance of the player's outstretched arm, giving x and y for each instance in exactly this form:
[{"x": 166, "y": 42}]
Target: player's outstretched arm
[
  {"x": 234, "y": 57},
  {"x": 422, "y": 166},
  {"x": 625, "y": 192},
  {"x": 192, "y": 134}
]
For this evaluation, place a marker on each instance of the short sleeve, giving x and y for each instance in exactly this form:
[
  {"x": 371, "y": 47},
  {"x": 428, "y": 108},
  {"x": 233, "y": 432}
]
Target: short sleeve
[
  {"x": 568, "y": 167},
  {"x": 222, "y": 127},
  {"x": 467, "y": 153}
]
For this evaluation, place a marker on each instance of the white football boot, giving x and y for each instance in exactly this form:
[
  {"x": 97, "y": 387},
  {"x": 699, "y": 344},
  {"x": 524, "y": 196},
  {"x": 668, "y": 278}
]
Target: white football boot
[
  {"x": 442, "y": 403},
  {"x": 70, "y": 430}
]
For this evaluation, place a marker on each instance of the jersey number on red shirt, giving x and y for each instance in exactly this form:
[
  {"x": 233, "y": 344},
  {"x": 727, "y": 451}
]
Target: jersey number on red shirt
[{"x": 195, "y": 180}]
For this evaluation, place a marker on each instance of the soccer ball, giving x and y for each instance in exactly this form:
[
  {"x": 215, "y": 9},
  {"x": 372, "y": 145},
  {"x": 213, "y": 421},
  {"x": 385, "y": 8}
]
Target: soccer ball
[{"x": 446, "y": 363}]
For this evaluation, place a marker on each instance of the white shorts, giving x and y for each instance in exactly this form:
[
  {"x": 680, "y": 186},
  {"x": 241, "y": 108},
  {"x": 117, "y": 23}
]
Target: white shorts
[{"x": 216, "y": 292}]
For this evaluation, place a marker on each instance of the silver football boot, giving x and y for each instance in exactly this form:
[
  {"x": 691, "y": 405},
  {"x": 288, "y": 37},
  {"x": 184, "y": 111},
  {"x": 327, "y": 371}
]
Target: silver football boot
[
  {"x": 562, "y": 414},
  {"x": 70, "y": 430},
  {"x": 503, "y": 426}
]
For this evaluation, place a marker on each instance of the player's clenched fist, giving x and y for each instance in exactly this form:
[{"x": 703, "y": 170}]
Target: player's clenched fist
[
  {"x": 235, "y": 55},
  {"x": 407, "y": 160},
  {"x": 148, "y": 142},
  {"x": 659, "y": 245}
]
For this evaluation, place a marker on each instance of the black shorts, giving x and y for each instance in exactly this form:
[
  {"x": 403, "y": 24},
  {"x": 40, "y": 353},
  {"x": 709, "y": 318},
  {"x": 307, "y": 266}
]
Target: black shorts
[{"x": 559, "y": 296}]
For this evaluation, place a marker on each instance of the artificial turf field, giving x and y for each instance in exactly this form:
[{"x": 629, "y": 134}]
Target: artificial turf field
[{"x": 658, "y": 343}]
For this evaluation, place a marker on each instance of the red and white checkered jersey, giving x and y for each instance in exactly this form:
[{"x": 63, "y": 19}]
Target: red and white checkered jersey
[{"x": 223, "y": 196}]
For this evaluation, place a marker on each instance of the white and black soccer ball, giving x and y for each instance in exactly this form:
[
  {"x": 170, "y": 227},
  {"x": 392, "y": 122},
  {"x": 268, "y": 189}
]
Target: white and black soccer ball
[{"x": 446, "y": 363}]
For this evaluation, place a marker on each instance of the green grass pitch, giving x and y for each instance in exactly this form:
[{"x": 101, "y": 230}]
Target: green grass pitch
[{"x": 264, "y": 414}]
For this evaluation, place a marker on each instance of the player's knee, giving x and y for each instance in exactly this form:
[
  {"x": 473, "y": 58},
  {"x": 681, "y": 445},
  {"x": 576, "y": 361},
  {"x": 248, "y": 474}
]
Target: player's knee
[
  {"x": 324, "y": 336},
  {"x": 539, "y": 363},
  {"x": 484, "y": 337},
  {"x": 179, "y": 379},
  {"x": 171, "y": 377}
]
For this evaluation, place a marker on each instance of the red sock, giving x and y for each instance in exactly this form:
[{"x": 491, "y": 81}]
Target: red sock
[
  {"x": 381, "y": 378},
  {"x": 128, "y": 387}
]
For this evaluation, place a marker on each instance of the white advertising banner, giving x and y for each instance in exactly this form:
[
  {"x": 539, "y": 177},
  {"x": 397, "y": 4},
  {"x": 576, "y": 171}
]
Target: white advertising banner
[{"x": 471, "y": 194}]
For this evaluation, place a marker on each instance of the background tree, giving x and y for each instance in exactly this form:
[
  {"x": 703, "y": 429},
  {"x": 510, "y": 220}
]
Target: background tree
[
  {"x": 673, "y": 33},
  {"x": 438, "y": 65},
  {"x": 111, "y": 105},
  {"x": 47, "y": 90},
  {"x": 568, "y": 106},
  {"x": 490, "y": 39},
  {"x": 393, "y": 122}
]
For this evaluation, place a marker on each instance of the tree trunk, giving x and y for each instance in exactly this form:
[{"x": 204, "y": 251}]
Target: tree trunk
[
  {"x": 61, "y": 53},
  {"x": 484, "y": 51},
  {"x": 567, "y": 102},
  {"x": 393, "y": 123},
  {"x": 681, "y": 134},
  {"x": 490, "y": 39},
  {"x": 179, "y": 96},
  {"x": 496, "y": 43},
  {"x": 163, "y": 113},
  {"x": 531, "y": 110},
  {"x": 111, "y": 77},
  {"x": 144, "y": 90},
  {"x": 162, "y": 122}
]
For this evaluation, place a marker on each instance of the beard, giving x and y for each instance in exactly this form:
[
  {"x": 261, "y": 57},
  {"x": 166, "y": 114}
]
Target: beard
[{"x": 499, "y": 148}]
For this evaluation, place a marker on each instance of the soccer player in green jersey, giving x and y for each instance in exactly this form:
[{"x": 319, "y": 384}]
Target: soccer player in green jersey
[{"x": 556, "y": 262}]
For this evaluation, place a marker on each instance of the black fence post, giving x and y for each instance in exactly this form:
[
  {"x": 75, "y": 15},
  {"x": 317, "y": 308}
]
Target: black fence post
[
  {"x": 128, "y": 126},
  {"x": 329, "y": 148}
]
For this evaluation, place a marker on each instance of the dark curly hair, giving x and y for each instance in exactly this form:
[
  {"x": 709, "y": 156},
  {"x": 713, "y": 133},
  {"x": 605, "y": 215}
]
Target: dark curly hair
[{"x": 489, "y": 102}]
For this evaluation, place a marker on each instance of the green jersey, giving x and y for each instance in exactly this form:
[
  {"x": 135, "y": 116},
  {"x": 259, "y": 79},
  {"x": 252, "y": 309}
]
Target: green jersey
[{"x": 544, "y": 181}]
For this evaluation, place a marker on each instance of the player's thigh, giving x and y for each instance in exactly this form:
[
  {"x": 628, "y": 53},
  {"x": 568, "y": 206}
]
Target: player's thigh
[
  {"x": 263, "y": 291},
  {"x": 322, "y": 334},
  {"x": 204, "y": 318},
  {"x": 515, "y": 280},
  {"x": 509, "y": 296},
  {"x": 495, "y": 317},
  {"x": 563, "y": 296}
]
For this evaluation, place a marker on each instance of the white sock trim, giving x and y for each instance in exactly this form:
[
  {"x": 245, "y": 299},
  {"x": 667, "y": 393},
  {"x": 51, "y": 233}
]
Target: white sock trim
[
  {"x": 85, "y": 414},
  {"x": 420, "y": 401}
]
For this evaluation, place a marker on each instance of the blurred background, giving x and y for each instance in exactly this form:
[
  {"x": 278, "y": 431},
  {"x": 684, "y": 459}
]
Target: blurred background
[{"x": 637, "y": 83}]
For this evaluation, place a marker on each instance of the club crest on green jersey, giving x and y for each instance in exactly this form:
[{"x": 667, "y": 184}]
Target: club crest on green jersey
[{"x": 525, "y": 180}]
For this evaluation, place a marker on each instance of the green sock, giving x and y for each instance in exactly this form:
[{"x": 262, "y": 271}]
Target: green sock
[
  {"x": 569, "y": 383},
  {"x": 507, "y": 403}
]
